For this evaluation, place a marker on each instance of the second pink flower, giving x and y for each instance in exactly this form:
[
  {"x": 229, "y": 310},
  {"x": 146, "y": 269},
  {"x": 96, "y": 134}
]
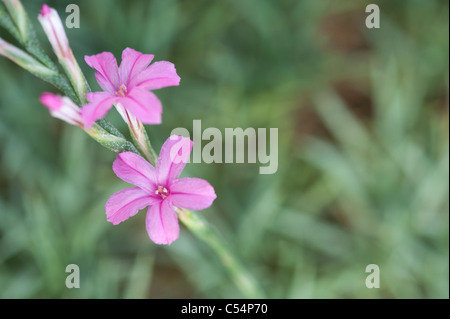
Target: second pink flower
[{"x": 128, "y": 85}]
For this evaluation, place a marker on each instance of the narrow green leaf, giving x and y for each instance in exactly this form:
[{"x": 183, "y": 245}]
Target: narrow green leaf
[{"x": 6, "y": 22}]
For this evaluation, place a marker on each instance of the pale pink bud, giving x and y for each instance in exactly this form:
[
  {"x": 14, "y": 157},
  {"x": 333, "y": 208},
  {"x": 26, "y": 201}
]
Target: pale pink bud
[
  {"x": 54, "y": 29},
  {"x": 45, "y": 10},
  {"x": 62, "y": 108}
]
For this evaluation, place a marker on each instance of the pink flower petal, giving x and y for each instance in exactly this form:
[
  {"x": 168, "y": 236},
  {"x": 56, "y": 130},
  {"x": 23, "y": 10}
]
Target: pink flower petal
[
  {"x": 133, "y": 169},
  {"x": 105, "y": 63},
  {"x": 126, "y": 203},
  {"x": 133, "y": 62},
  {"x": 104, "y": 83},
  {"x": 51, "y": 101},
  {"x": 162, "y": 223},
  {"x": 173, "y": 157},
  {"x": 144, "y": 105},
  {"x": 45, "y": 9},
  {"x": 158, "y": 75},
  {"x": 192, "y": 193},
  {"x": 100, "y": 104},
  {"x": 63, "y": 108}
]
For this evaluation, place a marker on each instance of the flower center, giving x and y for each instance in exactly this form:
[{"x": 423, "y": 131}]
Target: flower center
[
  {"x": 122, "y": 92},
  {"x": 162, "y": 191}
]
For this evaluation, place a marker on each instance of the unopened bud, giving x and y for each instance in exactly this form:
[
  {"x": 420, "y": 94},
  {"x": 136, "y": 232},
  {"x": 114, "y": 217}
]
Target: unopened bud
[
  {"x": 54, "y": 29},
  {"x": 63, "y": 108}
]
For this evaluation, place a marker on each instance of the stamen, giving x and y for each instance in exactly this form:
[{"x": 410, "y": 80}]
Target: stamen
[
  {"x": 122, "y": 91},
  {"x": 162, "y": 191}
]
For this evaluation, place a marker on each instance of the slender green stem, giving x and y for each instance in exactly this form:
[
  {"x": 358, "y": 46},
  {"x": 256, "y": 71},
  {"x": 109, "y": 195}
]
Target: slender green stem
[
  {"x": 244, "y": 280},
  {"x": 138, "y": 134},
  {"x": 141, "y": 140}
]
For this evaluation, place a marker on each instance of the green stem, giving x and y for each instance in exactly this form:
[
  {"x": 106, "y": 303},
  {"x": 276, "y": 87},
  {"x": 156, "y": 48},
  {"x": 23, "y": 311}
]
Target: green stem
[
  {"x": 138, "y": 134},
  {"x": 151, "y": 151},
  {"x": 144, "y": 145},
  {"x": 244, "y": 280}
]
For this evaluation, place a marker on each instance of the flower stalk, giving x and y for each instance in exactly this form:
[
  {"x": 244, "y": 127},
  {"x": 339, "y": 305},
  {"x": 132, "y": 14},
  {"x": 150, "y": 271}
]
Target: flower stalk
[
  {"x": 138, "y": 134},
  {"x": 243, "y": 280}
]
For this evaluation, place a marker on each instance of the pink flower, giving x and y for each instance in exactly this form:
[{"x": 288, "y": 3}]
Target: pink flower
[
  {"x": 128, "y": 85},
  {"x": 62, "y": 108},
  {"x": 159, "y": 188}
]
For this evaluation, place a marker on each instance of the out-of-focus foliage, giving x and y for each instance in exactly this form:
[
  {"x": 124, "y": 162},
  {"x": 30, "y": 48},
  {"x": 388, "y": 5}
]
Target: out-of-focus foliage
[{"x": 363, "y": 153}]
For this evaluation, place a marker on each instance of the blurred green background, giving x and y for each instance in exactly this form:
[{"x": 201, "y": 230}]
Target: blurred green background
[{"x": 363, "y": 172}]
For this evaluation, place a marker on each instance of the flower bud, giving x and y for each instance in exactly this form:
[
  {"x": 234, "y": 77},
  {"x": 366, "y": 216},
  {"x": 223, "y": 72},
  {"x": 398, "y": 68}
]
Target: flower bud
[
  {"x": 63, "y": 108},
  {"x": 54, "y": 29}
]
